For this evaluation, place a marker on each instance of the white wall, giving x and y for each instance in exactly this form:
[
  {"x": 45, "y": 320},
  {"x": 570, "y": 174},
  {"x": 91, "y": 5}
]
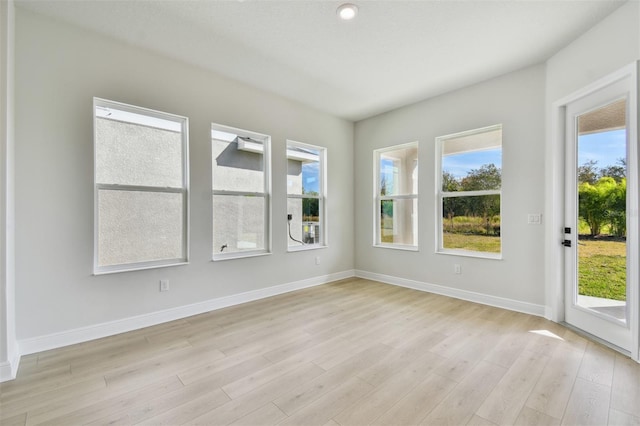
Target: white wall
[
  {"x": 59, "y": 69},
  {"x": 610, "y": 45},
  {"x": 517, "y": 101},
  {"x": 9, "y": 355}
]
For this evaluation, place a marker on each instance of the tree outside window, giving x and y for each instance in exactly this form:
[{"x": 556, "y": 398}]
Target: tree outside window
[{"x": 470, "y": 192}]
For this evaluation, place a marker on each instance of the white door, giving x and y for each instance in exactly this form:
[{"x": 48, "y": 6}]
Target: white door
[{"x": 601, "y": 213}]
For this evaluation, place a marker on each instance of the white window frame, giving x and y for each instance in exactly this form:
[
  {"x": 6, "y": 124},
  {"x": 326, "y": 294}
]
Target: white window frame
[
  {"x": 263, "y": 148},
  {"x": 441, "y": 195},
  {"x": 183, "y": 123},
  {"x": 322, "y": 196},
  {"x": 377, "y": 238}
]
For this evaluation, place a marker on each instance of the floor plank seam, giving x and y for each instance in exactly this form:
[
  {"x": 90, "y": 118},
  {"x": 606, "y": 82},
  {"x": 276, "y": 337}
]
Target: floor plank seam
[{"x": 361, "y": 339}]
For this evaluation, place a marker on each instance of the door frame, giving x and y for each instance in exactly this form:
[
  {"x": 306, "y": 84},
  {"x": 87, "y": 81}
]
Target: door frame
[{"x": 555, "y": 252}]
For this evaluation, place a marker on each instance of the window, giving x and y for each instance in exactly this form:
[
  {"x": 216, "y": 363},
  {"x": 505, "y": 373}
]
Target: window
[
  {"x": 469, "y": 192},
  {"x": 141, "y": 188},
  {"x": 396, "y": 196},
  {"x": 241, "y": 183},
  {"x": 306, "y": 166}
]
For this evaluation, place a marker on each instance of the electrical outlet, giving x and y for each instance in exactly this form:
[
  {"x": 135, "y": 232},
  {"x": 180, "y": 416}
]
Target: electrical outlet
[
  {"x": 317, "y": 260},
  {"x": 164, "y": 285},
  {"x": 457, "y": 269}
]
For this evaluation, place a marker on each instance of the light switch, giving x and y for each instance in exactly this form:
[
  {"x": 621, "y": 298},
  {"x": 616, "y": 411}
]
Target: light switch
[{"x": 534, "y": 219}]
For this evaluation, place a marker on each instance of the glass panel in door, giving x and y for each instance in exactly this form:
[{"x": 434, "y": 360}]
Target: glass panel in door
[{"x": 602, "y": 211}]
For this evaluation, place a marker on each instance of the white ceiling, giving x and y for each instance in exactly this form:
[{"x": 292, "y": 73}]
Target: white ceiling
[{"x": 394, "y": 53}]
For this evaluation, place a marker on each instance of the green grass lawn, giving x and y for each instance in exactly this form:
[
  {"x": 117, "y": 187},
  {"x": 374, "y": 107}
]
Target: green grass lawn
[
  {"x": 482, "y": 243},
  {"x": 602, "y": 269},
  {"x": 602, "y": 264}
]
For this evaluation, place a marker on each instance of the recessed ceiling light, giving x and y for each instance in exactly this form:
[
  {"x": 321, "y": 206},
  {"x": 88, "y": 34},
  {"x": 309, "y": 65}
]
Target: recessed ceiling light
[{"x": 347, "y": 11}]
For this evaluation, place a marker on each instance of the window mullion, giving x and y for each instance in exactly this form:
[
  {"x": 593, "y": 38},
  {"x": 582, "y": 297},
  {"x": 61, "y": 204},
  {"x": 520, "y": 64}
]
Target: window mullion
[
  {"x": 239, "y": 193},
  {"x": 137, "y": 188},
  {"x": 397, "y": 197},
  {"x": 302, "y": 196},
  {"x": 470, "y": 193}
]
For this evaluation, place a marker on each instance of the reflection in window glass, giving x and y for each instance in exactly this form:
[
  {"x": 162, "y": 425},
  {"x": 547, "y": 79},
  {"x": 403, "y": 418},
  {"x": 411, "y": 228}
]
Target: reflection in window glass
[{"x": 469, "y": 188}]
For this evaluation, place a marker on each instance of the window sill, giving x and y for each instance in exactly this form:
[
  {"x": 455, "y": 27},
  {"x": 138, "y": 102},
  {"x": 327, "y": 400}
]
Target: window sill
[
  {"x": 132, "y": 268},
  {"x": 239, "y": 255},
  {"x": 307, "y": 247},
  {"x": 397, "y": 247},
  {"x": 467, "y": 253}
]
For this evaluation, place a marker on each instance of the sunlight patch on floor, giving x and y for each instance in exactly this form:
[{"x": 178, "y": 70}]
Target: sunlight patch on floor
[{"x": 546, "y": 333}]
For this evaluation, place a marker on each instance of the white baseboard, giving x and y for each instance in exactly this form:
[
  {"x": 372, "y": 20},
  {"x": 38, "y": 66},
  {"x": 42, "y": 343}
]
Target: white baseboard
[
  {"x": 9, "y": 369},
  {"x": 84, "y": 334},
  {"x": 548, "y": 313},
  {"x": 499, "y": 302}
]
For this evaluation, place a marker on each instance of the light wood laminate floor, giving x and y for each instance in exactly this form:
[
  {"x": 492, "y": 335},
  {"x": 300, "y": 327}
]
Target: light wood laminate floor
[{"x": 354, "y": 352}]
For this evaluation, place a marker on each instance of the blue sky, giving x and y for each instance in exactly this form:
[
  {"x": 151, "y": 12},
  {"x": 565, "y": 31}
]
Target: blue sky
[
  {"x": 386, "y": 174},
  {"x": 605, "y": 148},
  {"x": 459, "y": 165},
  {"x": 310, "y": 177}
]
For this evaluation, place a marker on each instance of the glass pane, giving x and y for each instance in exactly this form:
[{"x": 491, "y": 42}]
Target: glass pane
[
  {"x": 472, "y": 162},
  {"x": 471, "y": 223},
  {"x": 238, "y": 223},
  {"x": 305, "y": 224},
  {"x": 602, "y": 215},
  {"x": 399, "y": 222},
  {"x": 303, "y": 170},
  {"x": 238, "y": 164},
  {"x": 399, "y": 171},
  {"x": 136, "y": 226},
  {"x": 138, "y": 154}
]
